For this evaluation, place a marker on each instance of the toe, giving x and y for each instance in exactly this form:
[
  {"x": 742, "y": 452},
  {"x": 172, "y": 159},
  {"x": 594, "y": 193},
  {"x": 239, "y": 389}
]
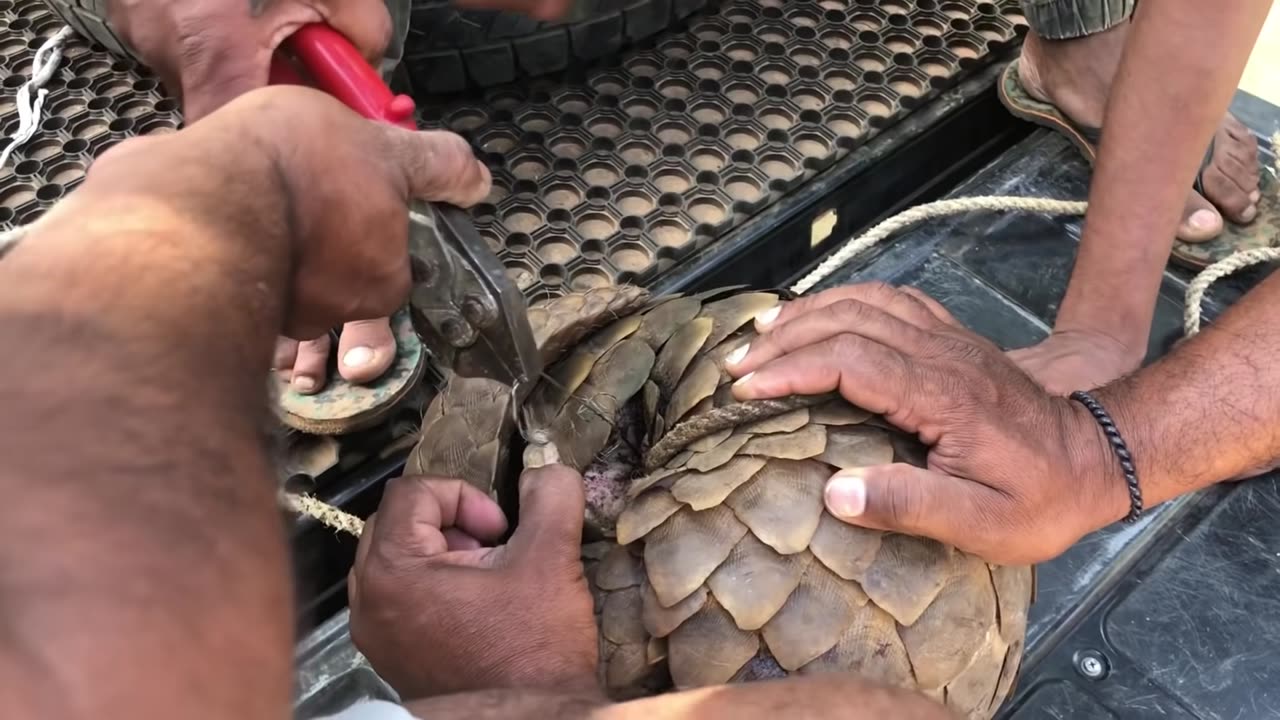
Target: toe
[
  {"x": 311, "y": 365},
  {"x": 365, "y": 350},
  {"x": 1231, "y": 179},
  {"x": 1200, "y": 221},
  {"x": 286, "y": 353}
]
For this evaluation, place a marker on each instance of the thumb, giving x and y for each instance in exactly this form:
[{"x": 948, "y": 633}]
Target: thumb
[
  {"x": 439, "y": 166},
  {"x": 211, "y": 78},
  {"x": 915, "y": 501},
  {"x": 552, "y": 502}
]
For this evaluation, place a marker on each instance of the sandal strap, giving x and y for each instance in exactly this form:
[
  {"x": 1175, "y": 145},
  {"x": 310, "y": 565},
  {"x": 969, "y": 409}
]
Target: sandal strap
[{"x": 1204, "y": 165}]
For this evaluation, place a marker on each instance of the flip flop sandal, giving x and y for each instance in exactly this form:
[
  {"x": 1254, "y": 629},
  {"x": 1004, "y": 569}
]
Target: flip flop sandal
[
  {"x": 1264, "y": 231},
  {"x": 343, "y": 407}
]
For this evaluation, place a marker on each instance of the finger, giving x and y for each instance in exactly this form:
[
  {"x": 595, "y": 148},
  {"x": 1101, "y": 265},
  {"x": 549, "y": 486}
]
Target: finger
[
  {"x": 285, "y": 353},
  {"x": 552, "y": 502},
  {"x": 366, "y": 24},
  {"x": 459, "y": 540},
  {"x": 361, "y": 562},
  {"x": 916, "y": 501},
  {"x": 938, "y": 309},
  {"x": 826, "y": 322},
  {"x": 366, "y": 349},
  {"x": 416, "y": 510},
  {"x": 867, "y": 373},
  {"x": 878, "y": 294},
  {"x": 311, "y": 366},
  {"x": 439, "y": 166}
]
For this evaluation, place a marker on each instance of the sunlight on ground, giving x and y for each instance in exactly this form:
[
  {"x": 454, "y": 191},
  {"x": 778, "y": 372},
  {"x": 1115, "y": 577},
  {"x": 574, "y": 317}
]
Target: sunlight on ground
[{"x": 1262, "y": 75}]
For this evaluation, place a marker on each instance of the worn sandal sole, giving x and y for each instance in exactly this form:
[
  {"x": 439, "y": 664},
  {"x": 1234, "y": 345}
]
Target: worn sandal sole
[
  {"x": 343, "y": 407},
  {"x": 1264, "y": 231}
]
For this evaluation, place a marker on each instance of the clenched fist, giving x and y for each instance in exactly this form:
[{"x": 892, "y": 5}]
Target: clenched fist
[{"x": 436, "y": 611}]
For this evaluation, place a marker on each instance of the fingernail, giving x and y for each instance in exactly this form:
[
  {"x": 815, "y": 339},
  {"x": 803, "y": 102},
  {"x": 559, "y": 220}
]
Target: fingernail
[
  {"x": 1204, "y": 219},
  {"x": 767, "y": 317},
  {"x": 737, "y": 355},
  {"x": 1249, "y": 213},
  {"x": 846, "y": 494},
  {"x": 304, "y": 383},
  {"x": 743, "y": 380},
  {"x": 1255, "y": 196},
  {"x": 358, "y": 356}
]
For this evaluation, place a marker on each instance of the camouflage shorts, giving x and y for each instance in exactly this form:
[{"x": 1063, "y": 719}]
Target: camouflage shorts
[{"x": 1065, "y": 19}]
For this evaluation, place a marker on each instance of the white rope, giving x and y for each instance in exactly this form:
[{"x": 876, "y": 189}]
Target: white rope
[
  {"x": 996, "y": 203},
  {"x": 1222, "y": 268},
  {"x": 43, "y": 66},
  {"x": 930, "y": 211},
  {"x": 312, "y": 507}
]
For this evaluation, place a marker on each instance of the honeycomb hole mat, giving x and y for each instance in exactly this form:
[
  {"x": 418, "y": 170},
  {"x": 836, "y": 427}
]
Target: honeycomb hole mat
[{"x": 612, "y": 177}]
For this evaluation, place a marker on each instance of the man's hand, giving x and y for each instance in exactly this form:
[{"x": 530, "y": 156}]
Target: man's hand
[
  {"x": 435, "y": 612},
  {"x": 1005, "y": 476},
  {"x": 291, "y": 171},
  {"x": 210, "y": 51},
  {"x": 1076, "y": 360}
]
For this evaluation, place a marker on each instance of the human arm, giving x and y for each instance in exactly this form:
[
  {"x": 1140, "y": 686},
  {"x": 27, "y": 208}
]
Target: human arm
[
  {"x": 802, "y": 698},
  {"x": 142, "y": 562},
  {"x": 1179, "y": 69},
  {"x": 1015, "y": 474}
]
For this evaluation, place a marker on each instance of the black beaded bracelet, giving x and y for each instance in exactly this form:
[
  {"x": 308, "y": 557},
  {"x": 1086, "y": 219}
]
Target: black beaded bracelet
[{"x": 1122, "y": 451}]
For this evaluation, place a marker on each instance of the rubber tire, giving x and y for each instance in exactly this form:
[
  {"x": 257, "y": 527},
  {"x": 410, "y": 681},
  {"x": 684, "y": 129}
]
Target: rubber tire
[{"x": 449, "y": 50}]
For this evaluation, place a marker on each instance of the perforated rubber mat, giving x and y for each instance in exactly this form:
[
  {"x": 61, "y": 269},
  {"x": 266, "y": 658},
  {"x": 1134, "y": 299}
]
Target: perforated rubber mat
[
  {"x": 94, "y": 101},
  {"x": 615, "y": 175}
]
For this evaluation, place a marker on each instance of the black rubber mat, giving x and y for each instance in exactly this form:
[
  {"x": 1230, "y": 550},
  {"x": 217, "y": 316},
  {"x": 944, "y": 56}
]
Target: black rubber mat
[
  {"x": 94, "y": 101},
  {"x": 616, "y": 176}
]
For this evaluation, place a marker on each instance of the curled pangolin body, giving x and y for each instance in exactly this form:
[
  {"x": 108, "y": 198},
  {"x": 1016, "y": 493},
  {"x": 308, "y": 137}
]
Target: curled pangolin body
[{"x": 719, "y": 561}]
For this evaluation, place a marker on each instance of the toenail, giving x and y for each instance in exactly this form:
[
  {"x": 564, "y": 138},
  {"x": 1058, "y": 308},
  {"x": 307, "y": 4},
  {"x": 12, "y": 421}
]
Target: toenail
[
  {"x": 1255, "y": 196},
  {"x": 1249, "y": 213},
  {"x": 1204, "y": 219},
  {"x": 358, "y": 357},
  {"x": 304, "y": 383}
]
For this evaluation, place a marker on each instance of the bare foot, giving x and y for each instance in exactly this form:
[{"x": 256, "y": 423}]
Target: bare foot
[
  {"x": 366, "y": 350},
  {"x": 1076, "y": 76}
]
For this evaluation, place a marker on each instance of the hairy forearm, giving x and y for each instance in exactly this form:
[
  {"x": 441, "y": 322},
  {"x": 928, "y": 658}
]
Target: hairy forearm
[
  {"x": 141, "y": 538},
  {"x": 1180, "y": 67},
  {"x": 1207, "y": 412}
]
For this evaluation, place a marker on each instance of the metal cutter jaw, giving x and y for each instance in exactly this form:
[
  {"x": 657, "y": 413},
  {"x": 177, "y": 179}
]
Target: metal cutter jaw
[{"x": 467, "y": 311}]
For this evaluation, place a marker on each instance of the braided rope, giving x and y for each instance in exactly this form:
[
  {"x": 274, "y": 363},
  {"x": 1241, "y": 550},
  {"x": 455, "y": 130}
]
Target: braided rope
[
  {"x": 1208, "y": 276},
  {"x": 931, "y": 211},
  {"x": 43, "y": 66},
  {"x": 330, "y": 515}
]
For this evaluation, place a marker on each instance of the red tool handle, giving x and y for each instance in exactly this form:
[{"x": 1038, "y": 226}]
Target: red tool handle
[{"x": 335, "y": 66}]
